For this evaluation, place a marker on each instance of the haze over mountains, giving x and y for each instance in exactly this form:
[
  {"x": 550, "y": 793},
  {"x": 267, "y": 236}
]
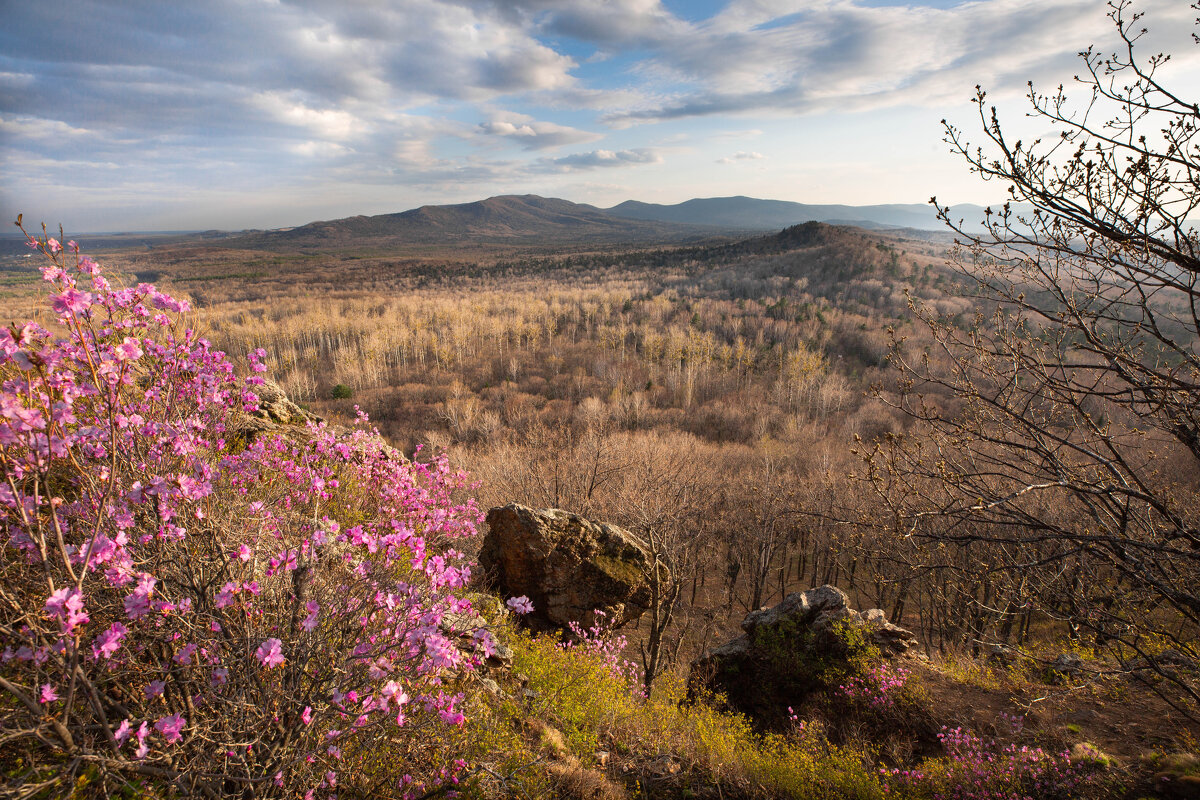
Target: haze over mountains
[
  {"x": 749, "y": 213},
  {"x": 510, "y": 218},
  {"x": 520, "y": 219}
]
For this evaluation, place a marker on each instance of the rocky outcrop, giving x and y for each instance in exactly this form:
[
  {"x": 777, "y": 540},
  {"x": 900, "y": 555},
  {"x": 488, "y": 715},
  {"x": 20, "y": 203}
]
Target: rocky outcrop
[
  {"x": 274, "y": 411},
  {"x": 567, "y": 565},
  {"x": 787, "y": 649}
]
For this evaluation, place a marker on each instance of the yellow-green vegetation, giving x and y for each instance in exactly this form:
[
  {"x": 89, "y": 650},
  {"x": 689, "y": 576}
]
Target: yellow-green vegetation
[{"x": 598, "y": 711}]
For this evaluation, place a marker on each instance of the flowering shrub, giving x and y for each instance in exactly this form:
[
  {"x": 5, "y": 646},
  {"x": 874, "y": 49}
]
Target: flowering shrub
[
  {"x": 600, "y": 641},
  {"x": 878, "y": 688},
  {"x": 179, "y": 606},
  {"x": 974, "y": 769}
]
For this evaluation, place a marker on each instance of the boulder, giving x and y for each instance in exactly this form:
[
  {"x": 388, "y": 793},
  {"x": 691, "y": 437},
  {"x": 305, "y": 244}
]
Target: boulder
[
  {"x": 788, "y": 650},
  {"x": 567, "y": 565},
  {"x": 274, "y": 412},
  {"x": 1065, "y": 665},
  {"x": 819, "y": 610}
]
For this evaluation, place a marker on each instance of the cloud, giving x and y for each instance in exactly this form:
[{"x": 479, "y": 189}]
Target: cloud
[
  {"x": 597, "y": 159},
  {"x": 787, "y": 58},
  {"x": 622, "y": 24},
  {"x": 741, "y": 155},
  {"x": 532, "y": 134}
]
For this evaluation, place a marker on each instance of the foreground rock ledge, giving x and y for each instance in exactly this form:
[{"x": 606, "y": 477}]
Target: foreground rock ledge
[{"x": 567, "y": 565}]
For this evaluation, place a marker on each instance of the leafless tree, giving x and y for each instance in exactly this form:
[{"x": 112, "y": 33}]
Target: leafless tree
[{"x": 1060, "y": 433}]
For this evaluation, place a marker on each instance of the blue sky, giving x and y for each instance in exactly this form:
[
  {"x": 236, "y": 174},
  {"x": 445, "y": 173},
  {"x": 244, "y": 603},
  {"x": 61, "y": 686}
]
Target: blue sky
[{"x": 150, "y": 114}]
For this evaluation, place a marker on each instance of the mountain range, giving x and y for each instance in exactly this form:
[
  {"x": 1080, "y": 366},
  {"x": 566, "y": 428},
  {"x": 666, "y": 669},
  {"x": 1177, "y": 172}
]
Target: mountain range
[
  {"x": 749, "y": 213},
  {"x": 529, "y": 218}
]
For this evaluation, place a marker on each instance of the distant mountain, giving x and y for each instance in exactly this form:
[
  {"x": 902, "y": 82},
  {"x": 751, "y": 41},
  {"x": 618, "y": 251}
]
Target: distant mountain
[
  {"x": 507, "y": 218},
  {"x": 749, "y": 213}
]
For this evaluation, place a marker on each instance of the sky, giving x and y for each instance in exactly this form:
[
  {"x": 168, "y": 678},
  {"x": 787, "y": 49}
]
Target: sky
[{"x": 233, "y": 114}]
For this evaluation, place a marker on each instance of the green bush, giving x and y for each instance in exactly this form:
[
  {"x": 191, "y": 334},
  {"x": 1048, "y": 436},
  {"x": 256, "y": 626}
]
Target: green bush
[{"x": 342, "y": 392}]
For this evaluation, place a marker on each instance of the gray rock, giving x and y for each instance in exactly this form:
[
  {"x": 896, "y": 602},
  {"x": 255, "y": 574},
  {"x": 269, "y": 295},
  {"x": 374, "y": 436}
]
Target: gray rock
[
  {"x": 1067, "y": 664},
  {"x": 567, "y": 565},
  {"x": 890, "y": 639},
  {"x": 784, "y": 646},
  {"x": 501, "y": 658}
]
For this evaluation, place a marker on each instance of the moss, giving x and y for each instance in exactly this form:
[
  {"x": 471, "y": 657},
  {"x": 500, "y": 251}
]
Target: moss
[{"x": 618, "y": 569}]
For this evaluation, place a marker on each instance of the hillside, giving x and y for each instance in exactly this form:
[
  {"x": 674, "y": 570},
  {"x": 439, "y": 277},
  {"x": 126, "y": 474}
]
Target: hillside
[
  {"x": 503, "y": 219},
  {"x": 749, "y": 213}
]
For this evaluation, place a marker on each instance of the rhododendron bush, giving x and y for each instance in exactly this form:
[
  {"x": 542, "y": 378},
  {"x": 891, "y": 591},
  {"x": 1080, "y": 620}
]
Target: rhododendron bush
[{"x": 182, "y": 606}]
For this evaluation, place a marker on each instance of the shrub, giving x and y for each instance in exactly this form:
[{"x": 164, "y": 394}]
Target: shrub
[
  {"x": 176, "y": 613},
  {"x": 975, "y": 769},
  {"x": 342, "y": 392}
]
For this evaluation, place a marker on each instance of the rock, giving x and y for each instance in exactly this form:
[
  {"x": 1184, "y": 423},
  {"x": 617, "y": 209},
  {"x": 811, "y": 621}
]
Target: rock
[
  {"x": 785, "y": 650},
  {"x": 1000, "y": 655},
  {"x": 890, "y": 639},
  {"x": 1066, "y": 664},
  {"x": 820, "y": 609},
  {"x": 567, "y": 565},
  {"x": 274, "y": 411},
  {"x": 502, "y": 656},
  {"x": 274, "y": 406}
]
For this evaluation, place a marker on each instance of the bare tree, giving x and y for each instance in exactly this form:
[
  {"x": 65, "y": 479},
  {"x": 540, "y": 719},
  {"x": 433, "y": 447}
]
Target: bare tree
[
  {"x": 661, "y": 498},
  {"x": 1060, "y": 433}
]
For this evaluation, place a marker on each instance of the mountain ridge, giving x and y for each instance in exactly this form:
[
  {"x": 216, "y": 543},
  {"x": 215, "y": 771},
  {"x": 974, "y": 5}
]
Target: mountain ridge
[{"x": 529, "y": 218}]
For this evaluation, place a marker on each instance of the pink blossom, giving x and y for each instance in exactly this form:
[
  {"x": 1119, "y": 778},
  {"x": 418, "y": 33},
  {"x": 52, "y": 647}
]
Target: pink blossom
[
  {"x": 140, "y": 734},
  {"x": 72, "y": 301},
  {"x": 171, "y": 727},
  {"x": 520, "y": 605},
  {"x": 310, "y": 622},
  {"x": 49, "y": 695},
  {"x": 270, "y": 653},
  {"x": 128, "y": 350},
  {"x": 109, "y": 641},
  {"x": 67, "y": 604}
]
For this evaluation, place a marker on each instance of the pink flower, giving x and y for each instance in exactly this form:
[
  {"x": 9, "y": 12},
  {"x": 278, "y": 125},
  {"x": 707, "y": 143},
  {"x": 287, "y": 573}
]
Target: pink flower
[
  {"x": 154, "y": 689},
  {"x": 310, "y": 622},
  {"x": 270, "y": 653},
  {"x": 128, "y": 350},
  {"x": 306, "y": 715},
  {"x": 244, "y": 552},
  {"x": 122, "y": 732},
  {"x": 171, "y": 727},
  {"x": 185, "y": 655},
  {"x": 520, "y": 605},
  {"x": 67, "y": 604},
  {"x": 138, "y": 603},
  {"x": 140, "y": 734},
  {"x": 48, "y": 694},
  {"x": 109, "y": 642},
  {"x": 225, "y": 596},
  {"x": 72, "y": 301}
]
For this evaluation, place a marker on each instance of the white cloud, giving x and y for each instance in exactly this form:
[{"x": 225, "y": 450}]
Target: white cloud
[
  {"x": 598, "y": 159},
  {"x": 533, "y": 134},
  {"x": 741, "y": 155}
]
